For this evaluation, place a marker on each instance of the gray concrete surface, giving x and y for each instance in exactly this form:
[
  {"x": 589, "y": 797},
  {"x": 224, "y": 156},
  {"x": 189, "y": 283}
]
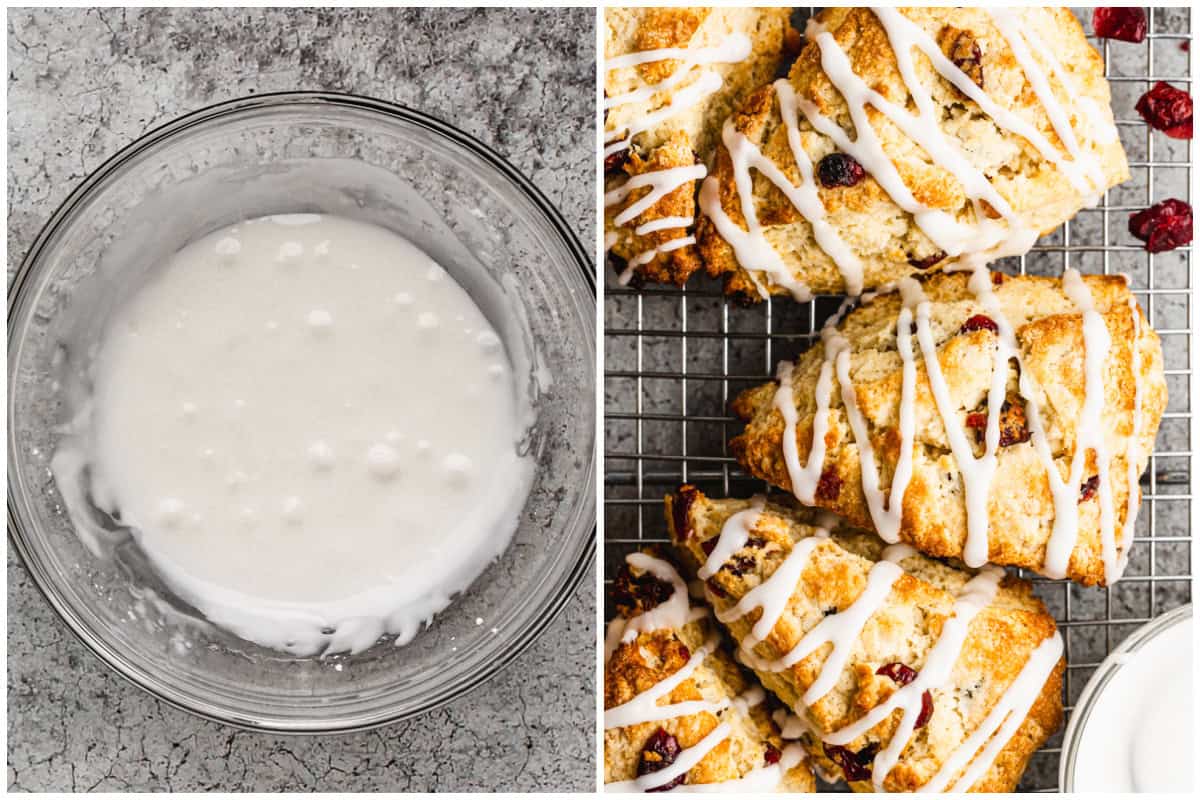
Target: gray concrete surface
[
  {"x": 84, "y": 83},
  {"x": 1158, "y": 577}
]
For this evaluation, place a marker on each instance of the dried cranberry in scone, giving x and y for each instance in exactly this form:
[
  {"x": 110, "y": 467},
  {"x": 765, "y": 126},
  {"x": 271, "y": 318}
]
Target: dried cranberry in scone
[
  {"x": 1163, "y": 226},
  {"x": 660, "y": 752},
  {"x": 1167, "y": 109}
]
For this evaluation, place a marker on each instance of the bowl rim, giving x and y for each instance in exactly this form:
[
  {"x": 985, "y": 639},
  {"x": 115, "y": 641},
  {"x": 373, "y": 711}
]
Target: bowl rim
[
  {"x": 143, "y": 678},
  {"x": 1094, "y": 689}
]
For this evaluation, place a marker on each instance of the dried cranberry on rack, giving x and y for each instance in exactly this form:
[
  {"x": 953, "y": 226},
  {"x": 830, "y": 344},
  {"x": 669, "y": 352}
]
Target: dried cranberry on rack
[
  {"x": 1167, "y": 109},
  {"x": 926, "y": 710},
  {"x": 928, "y": 261},
  {"x": 681, "y": 506},
  {"x": 636, "y": 594},
  {"x": 979, "y": 322},
  {"x": 660, "y": 752},
  {"x": 829, "y": 487},
  {"x": 1185, "y": 46},
  {"x": 1124, "y": 23},
  {"x": 855, "y": 766},
  {"x": 1088, "y": 490},
  {"x": 772, "y": 755},
  {"x": 839, "y": 169},
  {"x": 1163, "y": 226},
  {"x": 900, "y": 673}
]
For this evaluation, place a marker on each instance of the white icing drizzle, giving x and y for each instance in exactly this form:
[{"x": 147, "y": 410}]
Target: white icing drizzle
[
  {"x": 1014, "y": 31},
  {"x": 904, "y": 34},
  {"x": 772, "y": 594},
  {"x": 735, "y": 47},
  {"x": 645, "y": 708},
  {"x": 1003, "y": 721},
  {"x": 687, "y": 758},
  {"x": 734, "y": 535},
  {"x": 977, "y": 241},
  {"x": 843, "y": 629},
  {"x": 675, "y": 613},
  {"x": 1089, "y": 436}
]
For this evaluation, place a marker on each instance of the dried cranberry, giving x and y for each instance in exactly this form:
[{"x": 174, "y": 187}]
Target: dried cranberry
[
  {"x": 682, "y": 505},
  {"x": 635, "y": 594},
  {"x": 1185, "y": 46},
  {"x": 1125, "y": 23},
  {"x": 739, "y": 565},
  {"x": 928, "y": 261},
  {"x": 997, "y": 278},
  {"x": 1163, "y": 226},
  {"x": 1167, "y": 109},
  {"x": 1013, "y": 429},
  {"x": 708, "y": 545},
  {"x": 829, "y": 487},
  {"x": 977, "y": 421},
  {"x": 926, "y": 710},
  {"x": 839, "y": 169},
  {"x": 964, "y": 53},
  {"x": 979, "y": 322},
  {"x": 715, "y": 588},
  {"x": 614, "y": 161},
  {"x": 1088, "y": 490},
  {"x": 900, "y": 673},
  {"x": 660, "y": 752},
  {"x": 772, "y": 755},
  {"x": 855, "y": 766}
]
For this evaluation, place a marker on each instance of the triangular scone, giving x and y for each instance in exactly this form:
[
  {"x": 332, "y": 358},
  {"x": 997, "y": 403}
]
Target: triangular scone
[
  {"x": 1020, "y": 517},
  {"x": 663, "y": 118},
  {"x": 840, "y": 628},
  {"x": 675, "y": 661},
  {"x": 1012, "y": 135}
]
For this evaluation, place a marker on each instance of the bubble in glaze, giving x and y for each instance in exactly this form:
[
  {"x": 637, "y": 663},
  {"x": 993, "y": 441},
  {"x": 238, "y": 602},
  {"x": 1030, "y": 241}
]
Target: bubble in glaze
[
  {"x": 402, "y": 299},
  {"x": 320, "y": 455},
  {"x": 435, "y": 273},
  {"x": 427, "y": 320},
  {"x": 322, "y": 249},
  {"x": 383, "y": 461},
  {"x": 458, "y": 468},
  {"x": 227, "y": 248},
  {"x": 289, "y": 251},
  {"x": 188, "y": 409},
  {"x": 291, "y": 509},
  {"x": 170, "y": 511},
  {"x": 320, "y": 320},
  {"x": 496, "y": 371},
  {"x": 489, "y": 341}
]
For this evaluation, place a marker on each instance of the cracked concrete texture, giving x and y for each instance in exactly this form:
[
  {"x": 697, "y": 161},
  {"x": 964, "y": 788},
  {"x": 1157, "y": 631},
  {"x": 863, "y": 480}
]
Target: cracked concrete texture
[{"x": 84, "y": 83}]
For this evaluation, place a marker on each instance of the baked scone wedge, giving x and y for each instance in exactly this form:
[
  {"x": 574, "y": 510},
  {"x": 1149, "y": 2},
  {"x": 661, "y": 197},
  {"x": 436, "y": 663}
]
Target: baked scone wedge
[
  {"x": 678, "y": 710},
  {"x": 671, "y": 77},
  {"x": 1025, "y": 449},
  {"x": 906, "y": 140},
  {"x": 903, "y": 673}
]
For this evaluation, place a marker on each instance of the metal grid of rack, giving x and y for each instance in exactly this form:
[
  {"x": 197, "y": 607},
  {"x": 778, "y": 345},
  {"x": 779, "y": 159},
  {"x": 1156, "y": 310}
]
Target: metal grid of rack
[{"x": 674, "y": 358}]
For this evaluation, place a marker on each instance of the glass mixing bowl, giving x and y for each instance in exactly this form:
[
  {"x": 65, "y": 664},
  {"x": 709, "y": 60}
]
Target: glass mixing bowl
[{"x": 296, "y": 153}]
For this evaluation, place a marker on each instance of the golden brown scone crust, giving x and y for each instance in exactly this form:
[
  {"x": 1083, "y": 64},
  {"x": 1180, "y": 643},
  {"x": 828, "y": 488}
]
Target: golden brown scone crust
[
  {"x": 654, "y": 656},
  {"x": 885, "y": 238},
  {"x": 683, "y": 139},
  {"x": 1049, "y": 332},
  {"x": 904, "y": 628}
]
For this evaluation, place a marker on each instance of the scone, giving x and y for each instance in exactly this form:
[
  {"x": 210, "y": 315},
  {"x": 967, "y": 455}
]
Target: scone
[
  {"x": 671, "y": 77},
  {"x": 908, "y": 140},
  {"x": 903, "y": 673},
  {"x": 678, "y": 710},
  {"x": 984, "y": 418}
]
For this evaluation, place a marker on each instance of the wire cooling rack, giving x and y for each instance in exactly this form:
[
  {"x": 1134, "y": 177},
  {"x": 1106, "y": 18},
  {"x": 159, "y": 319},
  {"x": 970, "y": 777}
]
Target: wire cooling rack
[{"x": 675, "y": 358}]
